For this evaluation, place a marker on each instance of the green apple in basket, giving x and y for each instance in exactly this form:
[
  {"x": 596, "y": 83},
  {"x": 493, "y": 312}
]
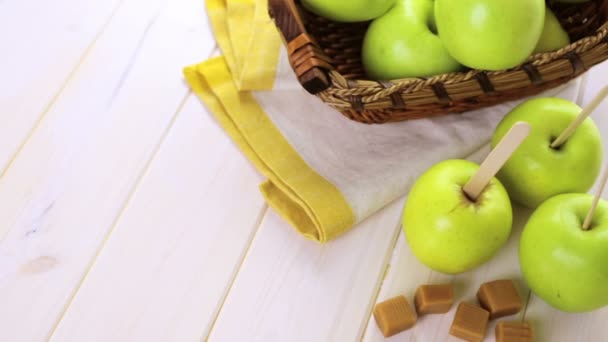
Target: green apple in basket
[
  {"x": 562, "y": 261},
  {"x": 349, "y": 10},
  {"x": 490, "y": 34},
  {"x": 554, "y": 37},
  {"x": 540, "y": 169},
  {"x": 457, "y": 215},
  {"x": 403, "y": 43}
]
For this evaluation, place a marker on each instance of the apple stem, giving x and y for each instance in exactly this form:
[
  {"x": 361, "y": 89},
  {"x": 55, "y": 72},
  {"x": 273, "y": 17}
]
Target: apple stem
[
  {"x": 567, "y": 133},
  {"x": 496, "y": 159},
  {"x": 596, "y": 201}
]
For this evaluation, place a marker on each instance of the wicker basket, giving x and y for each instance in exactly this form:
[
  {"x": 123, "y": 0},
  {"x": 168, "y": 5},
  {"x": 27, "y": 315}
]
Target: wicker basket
[{"x": 326, "y": 57}]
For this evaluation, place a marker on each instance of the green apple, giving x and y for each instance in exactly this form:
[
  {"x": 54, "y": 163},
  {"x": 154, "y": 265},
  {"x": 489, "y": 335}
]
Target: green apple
[
  {"x": 563, "y": 264},
  {"x": 554, "y": 37},
  {"x": 536, "y": 171},
  {"x": 349, "y": 10},
  {"x": 446, "y": 230},
  {"x": 403, "y": 44},
  {"x": 490, "y": 34}
]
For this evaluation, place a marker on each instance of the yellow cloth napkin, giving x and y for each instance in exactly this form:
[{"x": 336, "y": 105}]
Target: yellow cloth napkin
[
  {"x": 325, "y": 173},
  {"x": 248, "y": 40}
]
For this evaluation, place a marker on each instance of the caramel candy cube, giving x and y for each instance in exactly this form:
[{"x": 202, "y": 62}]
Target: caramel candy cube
[
  {"x": 514, "y": 332},
  {"x": 434, "y": 299},
  {"x": 470, "y": 322},
  {"x": 500, "y": 298},
  {"x": 394, "y": 316}
]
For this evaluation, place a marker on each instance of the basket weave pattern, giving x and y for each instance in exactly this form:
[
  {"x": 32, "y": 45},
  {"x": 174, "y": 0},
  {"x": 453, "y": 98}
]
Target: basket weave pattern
[{"x": 326, "y": 57}]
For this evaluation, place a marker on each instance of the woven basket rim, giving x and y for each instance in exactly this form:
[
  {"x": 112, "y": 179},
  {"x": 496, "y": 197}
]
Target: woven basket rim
[
  {"x": 344, "y": 87},
  {"x": 332, "y": 71}
]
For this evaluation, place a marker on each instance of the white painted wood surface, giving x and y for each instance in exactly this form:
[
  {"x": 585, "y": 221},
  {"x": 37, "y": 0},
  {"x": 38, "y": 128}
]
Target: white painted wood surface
[
  {"x": 126, "y": 214},
  {"x": 43, "y": 44},
  {"x": 174, "y": 252},
  {"x": 291, "y": 289},
  {"x": 67, "y": 188}
]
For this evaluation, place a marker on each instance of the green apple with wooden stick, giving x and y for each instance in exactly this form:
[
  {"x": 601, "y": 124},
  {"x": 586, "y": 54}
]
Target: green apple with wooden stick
[
  {"x": 562, "y": 155},
  {"x": 458, "y": 215},
  {"x": 564, "y": 251},
  {"x": 349, "y": 10}
]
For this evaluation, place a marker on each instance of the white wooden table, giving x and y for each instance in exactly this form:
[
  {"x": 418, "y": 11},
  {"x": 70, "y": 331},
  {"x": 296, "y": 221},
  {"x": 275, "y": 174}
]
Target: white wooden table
[{"x": 126, "y": 214}]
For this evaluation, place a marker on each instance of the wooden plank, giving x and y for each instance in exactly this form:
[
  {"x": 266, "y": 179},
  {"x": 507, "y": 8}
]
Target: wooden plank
[
  {"x": 198, "y": 208},
  {"x": 64, "y": 191},
  {"x": 291, "y": 289},
  {"x": 551, "y": 324},
  {"x": 42, "y": 42}
]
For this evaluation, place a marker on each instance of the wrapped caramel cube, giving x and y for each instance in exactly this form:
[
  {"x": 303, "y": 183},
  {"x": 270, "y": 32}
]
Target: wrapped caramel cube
[
  {"x": 394, "y": 316},
  {"x": 514, "y": 332},
  {"x": 434, "y": 299},
  {"x": 470, "y": 322},
  {"x": 500, "y": 298}
]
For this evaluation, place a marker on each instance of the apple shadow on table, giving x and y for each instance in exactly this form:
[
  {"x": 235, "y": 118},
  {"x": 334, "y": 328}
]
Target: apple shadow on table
[
  {"x": 460, "y": 288},
  {"x": 521, "y": 215}
]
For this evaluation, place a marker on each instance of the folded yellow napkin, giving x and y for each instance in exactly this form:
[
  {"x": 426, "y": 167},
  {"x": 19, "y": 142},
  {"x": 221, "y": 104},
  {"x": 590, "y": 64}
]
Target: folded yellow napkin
[{"x": 325, "y": 173}]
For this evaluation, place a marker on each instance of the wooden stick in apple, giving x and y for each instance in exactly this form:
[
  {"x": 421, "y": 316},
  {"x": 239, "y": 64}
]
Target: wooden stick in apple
[
  {"x": 596, "y": 200},
  {"x": 567, "y": 133},
  {"x": 496, "y": 159}
]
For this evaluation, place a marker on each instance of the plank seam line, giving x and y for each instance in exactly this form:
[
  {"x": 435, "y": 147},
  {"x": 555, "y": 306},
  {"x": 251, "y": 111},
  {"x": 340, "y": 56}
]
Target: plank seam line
[
  {"x": 388, "y": 258},
  {"x": 61, "y": 89},
  {"x": 232, "y": 281},
  {"x": 526, "y": 306},
  {"x": 125, "y": 205},
  {"x": 379, "y": 284}
]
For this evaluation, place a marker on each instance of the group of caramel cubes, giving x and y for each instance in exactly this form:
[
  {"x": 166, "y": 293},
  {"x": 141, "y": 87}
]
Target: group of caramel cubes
[
  {"x": 497, "y": 299},
  {"x": 396, "y": 315}
]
